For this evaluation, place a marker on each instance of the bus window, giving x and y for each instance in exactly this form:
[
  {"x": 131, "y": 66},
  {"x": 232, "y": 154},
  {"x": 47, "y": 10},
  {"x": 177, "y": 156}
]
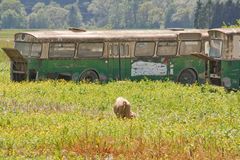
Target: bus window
[
  {"x": 26, "y": 49},
  {"x": 36, "y": 50},
  {"x": 23, "y": 47},
  {"x": 190, "y": 47},
  {"x": 90, "y": 49},
  {"x": 124, "y": 50},
  {"x": 216, "y": 48},
  {"x": 144, "y": 49},
  {"x": 115, "y": 50},
  {"x": 61, "y": 50},
  {"x": 167, "y": 48}
]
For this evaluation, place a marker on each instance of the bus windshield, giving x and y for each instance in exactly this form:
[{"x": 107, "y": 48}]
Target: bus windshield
[
  {"x": 29, "y": 49},
  {"x": 23, "y": 48},
  {"x": 216, "y": 48}
]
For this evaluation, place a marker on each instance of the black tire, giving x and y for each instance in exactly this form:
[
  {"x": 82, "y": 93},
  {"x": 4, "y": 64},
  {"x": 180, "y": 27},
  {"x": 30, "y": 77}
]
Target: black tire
[
  {"x": 187, "y": 76},
  {"x": 89, "y": 76}
]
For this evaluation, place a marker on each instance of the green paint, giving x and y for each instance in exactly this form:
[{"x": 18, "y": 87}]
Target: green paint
[
  {"x": 230, "y": 70},
  {"x": 108, "y": 69}
]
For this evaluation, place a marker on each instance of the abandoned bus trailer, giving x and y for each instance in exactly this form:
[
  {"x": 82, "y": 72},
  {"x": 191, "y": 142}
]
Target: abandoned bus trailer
[
  {"x": 224, "y": 57},
  {"x": 110, "y": 55}
]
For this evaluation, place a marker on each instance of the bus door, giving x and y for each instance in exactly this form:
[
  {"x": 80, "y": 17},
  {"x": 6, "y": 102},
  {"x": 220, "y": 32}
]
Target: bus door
[
  {"x": 18, "y": 70},
  {"x": 119, "y": 60}
]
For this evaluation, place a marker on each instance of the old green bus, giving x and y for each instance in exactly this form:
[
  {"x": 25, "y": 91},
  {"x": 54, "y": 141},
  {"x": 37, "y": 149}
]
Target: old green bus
[
  {"x": 77, "y": 54},
  {"x": 224, "y": 64}
]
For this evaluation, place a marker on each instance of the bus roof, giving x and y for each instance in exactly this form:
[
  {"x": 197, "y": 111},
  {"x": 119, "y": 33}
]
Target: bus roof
[
  {"x": 226, "y": 30},
  {"x": 123, "y": 35}
]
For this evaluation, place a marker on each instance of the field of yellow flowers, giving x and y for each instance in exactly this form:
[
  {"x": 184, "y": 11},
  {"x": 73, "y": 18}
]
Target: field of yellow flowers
[{"x": 68, "y": 120}]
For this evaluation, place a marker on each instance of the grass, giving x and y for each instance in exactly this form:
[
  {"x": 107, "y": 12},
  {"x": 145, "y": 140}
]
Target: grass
[
  {"x": 49, "y": 118},
  {"x": 67, "y": 120}
]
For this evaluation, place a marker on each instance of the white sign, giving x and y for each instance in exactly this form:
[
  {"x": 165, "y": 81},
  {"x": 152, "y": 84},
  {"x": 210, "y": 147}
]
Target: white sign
[{"x": 142, "y": 68}]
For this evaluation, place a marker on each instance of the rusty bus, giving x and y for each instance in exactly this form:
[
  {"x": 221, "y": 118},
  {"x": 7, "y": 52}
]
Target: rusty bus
[
  {"x": 110, "y": 55},
  {"x": 224, "y": 57}
]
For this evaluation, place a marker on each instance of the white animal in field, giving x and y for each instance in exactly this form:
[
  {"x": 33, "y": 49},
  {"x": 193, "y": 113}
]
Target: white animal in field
[{"x": 122, "y": 108}]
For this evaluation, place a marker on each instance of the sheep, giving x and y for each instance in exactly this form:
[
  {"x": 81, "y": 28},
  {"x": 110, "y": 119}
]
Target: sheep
[{"x": 122, "y": 108}]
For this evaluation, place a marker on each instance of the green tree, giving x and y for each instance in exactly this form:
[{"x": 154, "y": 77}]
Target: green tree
[
  {"x": 132, "y": 13},
  {"x": 225, "y": 13},
  {"x": 217, "y": 16},
  {"x": 74, "y": 17},
  {"x": 209, "y": 13},
  {"x": 38, "y": 18},
  {"x": 13, "y": 14},
  {"x": 236, "y": 25},
  {"x": 199, "y": 15},
  {"x": 100, "y": 10},
  {"x": 149, "y": 15},
  {"x": 10, "y": 19},
  {"x": 38, "y": 6},
  {"x": 228, "y": 11},
  {"x": 57, "y": 16},
  {"x": 169, "y": 16},
  {"x": 115, "y": 15},
  {"x": 48, "y": 16}
]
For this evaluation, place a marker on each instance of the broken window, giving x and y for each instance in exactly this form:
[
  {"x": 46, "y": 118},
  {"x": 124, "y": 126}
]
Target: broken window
[
  {"x": 61, "y": 50},
  {"x": 115, "y": 48},
  {"x": 215, "y": 48},
  {"x": 144, "y": 49},
  {"x": 29, "y": 49},
  {"x": 23, "y": 47},
  {"x": 190, "y": 47},
  {"x": 36, "y": 50},
  {"x": 90, "y": 50},
  {"x": 167, "y": 48}
]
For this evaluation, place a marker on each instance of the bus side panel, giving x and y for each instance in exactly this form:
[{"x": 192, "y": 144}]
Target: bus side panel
[
  {"x": 68, "y": 69},
  {"x": 125, "y": 68},
  {"x": 230, "y": 74},
  {"x": 180, "y": 63},
  {"x": 113, "y": 69},
  {"x": 99, "y": 65}
]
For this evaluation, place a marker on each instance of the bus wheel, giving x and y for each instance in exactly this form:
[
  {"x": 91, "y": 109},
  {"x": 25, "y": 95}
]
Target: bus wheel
[
  {"x": 89, "y": 76},
  {"x": 187, "y": 76}
]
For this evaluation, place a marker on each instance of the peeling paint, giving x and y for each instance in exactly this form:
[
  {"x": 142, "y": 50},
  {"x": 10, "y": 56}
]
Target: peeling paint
[{"x": 142, "y": 68}]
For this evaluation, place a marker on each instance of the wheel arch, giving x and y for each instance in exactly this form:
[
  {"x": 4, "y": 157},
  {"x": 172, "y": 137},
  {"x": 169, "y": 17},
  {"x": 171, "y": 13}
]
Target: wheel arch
[
  {"x": 190, "y": 68},
  {"x": 87, "y": 70}
]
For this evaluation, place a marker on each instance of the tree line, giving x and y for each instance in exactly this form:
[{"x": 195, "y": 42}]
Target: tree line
[
  {"x": 212, "y": 14},
  {"x": 117, "y": 14}
]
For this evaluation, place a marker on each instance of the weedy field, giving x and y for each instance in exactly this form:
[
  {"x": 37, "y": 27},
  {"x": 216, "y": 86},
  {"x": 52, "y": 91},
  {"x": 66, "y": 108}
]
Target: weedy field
[{"x": 67, "y": 120}]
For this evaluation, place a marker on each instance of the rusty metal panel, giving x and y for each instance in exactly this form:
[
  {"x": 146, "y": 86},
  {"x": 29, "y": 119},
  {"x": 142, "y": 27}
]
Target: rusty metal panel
[
  {"x": 190, "y": 36},
  {"x": 14, "y": 54},
  {"x": 45, "y": 48},
  {"x": 110, "y": 35},
  {"x": 25, "y": 37},
  {"x": 235, "y": 45}
]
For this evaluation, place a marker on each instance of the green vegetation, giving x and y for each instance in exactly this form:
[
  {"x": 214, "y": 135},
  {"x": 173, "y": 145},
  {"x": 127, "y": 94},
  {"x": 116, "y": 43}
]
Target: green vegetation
[
  {"x": 48, "y": 119},
  {"x": 6, "y": 40},
  {"x": 236, "y": 25},
  {"x": 213, "y": 14},
  {"x": 117, "y": 14},
  {"x": 59, "y": 120}
]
